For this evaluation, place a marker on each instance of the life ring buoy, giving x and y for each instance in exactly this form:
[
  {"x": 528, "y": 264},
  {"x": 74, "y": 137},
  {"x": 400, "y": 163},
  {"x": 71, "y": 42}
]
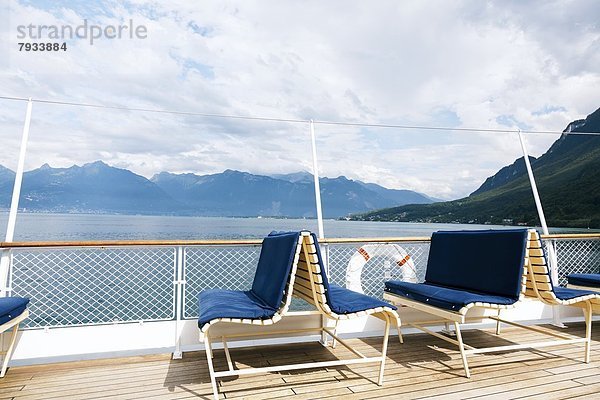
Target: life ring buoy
[{"x": 398, "y": 254}]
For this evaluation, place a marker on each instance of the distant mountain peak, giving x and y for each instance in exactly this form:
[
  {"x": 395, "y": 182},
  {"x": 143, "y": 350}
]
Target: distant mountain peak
[
  {"x": 5, "y": 170},
  {"x": 344, "y": 178},
  {"x": 589, "y": 124},
  {"x": 97, "y": 164},
  {"x": 294, "y": 177},
  {"x": 580, "y": 123}
]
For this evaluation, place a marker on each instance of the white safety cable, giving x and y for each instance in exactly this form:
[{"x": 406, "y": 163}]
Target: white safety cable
[{"x": 294, "y": 120}]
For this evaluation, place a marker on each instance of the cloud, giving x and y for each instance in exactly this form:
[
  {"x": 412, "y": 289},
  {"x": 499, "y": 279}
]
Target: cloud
[{"x": 465, "y": 64}]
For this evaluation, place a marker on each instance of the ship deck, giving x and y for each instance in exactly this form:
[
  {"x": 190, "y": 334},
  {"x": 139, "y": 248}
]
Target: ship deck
[{"x": 423, "y": 367}]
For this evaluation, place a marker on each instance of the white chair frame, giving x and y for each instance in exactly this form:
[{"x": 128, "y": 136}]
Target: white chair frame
[{"x": 14, "y": 324}]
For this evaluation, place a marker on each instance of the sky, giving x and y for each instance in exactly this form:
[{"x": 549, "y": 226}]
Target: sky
[{"x": 532, "y": 65}]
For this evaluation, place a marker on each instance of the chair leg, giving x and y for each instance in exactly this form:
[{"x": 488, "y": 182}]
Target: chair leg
[
  {"x": 208, "y": 343},
  {"x": 384, "y": 349},
  {"x": 587, "y": 313},
  {"x": 211, "y": 369},
  {"x": 498, "y": 324},
  {"x": 324, "y": 337},
  {"x": 447, "y": 331},
  {"x": 400, "y": 335},
  {"x": 333, "y": 341},
  {"x": 461, "y": 346},
  {"x": 398, "y": 327},
  {"x": 9, "y": 351}
]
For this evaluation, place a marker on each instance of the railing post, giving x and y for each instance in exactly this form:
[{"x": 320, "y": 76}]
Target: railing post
[
  {"x": 552, "y": 259},
  {"x": 319, "y": 207},
  {"x": 14, "y": 205},
  {"x": 179, "y": 282},
  {"x": 316, "y": 180}
]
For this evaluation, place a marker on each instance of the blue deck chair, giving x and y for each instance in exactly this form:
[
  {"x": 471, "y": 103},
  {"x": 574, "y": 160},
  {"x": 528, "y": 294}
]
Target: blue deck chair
[
  {"x": 282, "y": 264},
  {"x": 490, "y": 270},
  {"x": 587, "y": 281},
  {"x": 590, "y": 282},
  {"x": 264, "y": 304},
  {"x": 13, "y": 310}
]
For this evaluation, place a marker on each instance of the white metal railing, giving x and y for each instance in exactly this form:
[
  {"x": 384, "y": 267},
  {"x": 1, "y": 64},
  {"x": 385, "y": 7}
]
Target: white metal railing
[
  {"x": 88, "y": 286},
  {"x": 93, "y": 284},
  {"x": 202, "y": 271},
  {"x": 576, "y": 256}
]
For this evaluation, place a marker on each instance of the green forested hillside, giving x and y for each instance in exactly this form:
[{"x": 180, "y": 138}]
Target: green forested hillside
[{"x": 568, "y": 179}]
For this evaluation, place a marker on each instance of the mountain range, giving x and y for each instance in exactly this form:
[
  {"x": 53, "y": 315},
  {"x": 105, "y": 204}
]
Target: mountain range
[
  {"x": 568, "y": 180},
  {"x": 99, "y": 188}
]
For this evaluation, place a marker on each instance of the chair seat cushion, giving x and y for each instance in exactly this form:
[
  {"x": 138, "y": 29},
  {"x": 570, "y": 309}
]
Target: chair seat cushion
[
  {"x": 443, "y": 297},
  {"x": 564, "y": 293},
  {"x": 11, "y": 307},
  {"x": 591, "y": 280},
  {"x": 346, "y": 301},
  {"x": 218, "y": 303}
]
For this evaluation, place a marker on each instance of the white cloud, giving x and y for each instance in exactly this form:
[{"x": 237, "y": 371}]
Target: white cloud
[{"x": 469, "y": 64}]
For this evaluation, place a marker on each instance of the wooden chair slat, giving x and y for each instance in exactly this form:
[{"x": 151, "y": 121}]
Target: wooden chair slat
[{"x": 303, "y": 273}]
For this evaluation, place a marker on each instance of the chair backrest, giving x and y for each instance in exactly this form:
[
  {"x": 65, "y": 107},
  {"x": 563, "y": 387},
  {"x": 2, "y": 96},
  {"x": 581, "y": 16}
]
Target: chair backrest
[
  {"x": 311, "y": 282},
  {"x": 312, "y": 285},
  {"x": 484, "y": 261},
  {"x": 275, "y": 272},
  {"x": 539, "y": 281}
]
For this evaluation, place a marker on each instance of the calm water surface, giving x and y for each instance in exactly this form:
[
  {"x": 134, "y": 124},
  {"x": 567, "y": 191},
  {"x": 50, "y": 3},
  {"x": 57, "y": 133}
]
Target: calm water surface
[{"x": 41, "y": 227}]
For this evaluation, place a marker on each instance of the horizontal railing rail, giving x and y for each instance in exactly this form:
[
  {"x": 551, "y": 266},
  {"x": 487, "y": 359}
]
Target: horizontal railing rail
[
  {"x": 240, "y": 242},
  {"x": 128, "y": 243}
]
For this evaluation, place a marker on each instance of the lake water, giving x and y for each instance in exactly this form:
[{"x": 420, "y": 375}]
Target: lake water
[{"x": 42, "y": 227}]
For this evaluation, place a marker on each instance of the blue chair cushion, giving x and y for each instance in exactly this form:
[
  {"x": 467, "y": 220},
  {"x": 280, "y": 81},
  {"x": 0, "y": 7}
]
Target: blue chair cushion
[
  {"x": 567, "y": 293},
  {"x": 11, "y": 307},
  {"x": 264, "y": 299},
  {"x": 342, "y": 300},
  {"x": 346, "y": 301},
  {"x": 452, "y": 299},
  {"x": 592, "y": 280},
  {"x": 274, "y": 267},
  {"x": 217, "y": 303},
  {"x": 487, "y": 262}
]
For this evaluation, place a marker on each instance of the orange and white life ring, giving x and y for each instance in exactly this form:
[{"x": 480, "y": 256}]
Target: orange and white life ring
[{"x": 398, "y": 255}]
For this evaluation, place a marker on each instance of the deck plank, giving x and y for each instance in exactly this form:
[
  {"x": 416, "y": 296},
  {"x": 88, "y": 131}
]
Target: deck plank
[{"x": 424, "y": 367}]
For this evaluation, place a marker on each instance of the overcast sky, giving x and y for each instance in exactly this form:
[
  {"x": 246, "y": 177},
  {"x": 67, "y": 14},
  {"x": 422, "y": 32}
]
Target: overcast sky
[{"x": 484, "y": 64}]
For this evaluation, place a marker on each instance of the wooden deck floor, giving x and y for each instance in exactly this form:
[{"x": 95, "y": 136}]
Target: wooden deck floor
[{"x": 423, "y": 367}]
